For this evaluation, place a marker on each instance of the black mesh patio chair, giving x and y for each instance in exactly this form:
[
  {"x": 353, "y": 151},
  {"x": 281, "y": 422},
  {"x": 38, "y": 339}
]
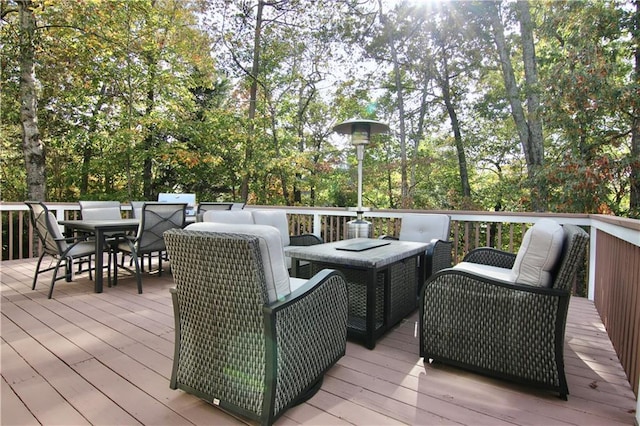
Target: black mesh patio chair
[
  {"x": 65, "y": 251},
  {"x": 496, "y": 313},
  {"x": 157, "y": 217},
  {"x": 247, "y": 337},
  {"x": 104, "y": 210}
]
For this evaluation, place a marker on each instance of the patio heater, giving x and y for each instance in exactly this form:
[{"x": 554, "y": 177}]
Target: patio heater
[{"x": 360, "y": 131}]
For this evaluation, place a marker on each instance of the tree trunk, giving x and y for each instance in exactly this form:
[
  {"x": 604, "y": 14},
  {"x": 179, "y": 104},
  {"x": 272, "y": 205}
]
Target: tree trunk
[
  {"x": 634, "y": 177},
  {"x": 404, "y": 183},
  {"x": 149, "y": 140},
  {"x": 513, "y": 95},
  {"x": 457, "y": 136},
  {"x": 253, "y": 98},
  {"x": 532, "y": 89},
  {"x": 32, "y": 147},
  {"x": 445, "y": 86}
]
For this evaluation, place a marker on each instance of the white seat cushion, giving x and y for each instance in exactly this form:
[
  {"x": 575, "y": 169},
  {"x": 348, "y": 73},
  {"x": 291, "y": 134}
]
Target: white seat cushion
[
  {"x": 275, "y": 270},
  {"x": 493, "y": 272},
  {"x": 275, "y": 218},
  {"x": 296, "y": 283},
  {"x": 538, "y": 254},
  {"x": 237, "y": 217},
  {"x": 423, "y": 228}
]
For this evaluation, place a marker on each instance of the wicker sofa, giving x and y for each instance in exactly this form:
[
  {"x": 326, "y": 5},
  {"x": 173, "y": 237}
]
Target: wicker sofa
[
  {"x": 248, "y": 338},
  {"x": 489, "y": 324}
]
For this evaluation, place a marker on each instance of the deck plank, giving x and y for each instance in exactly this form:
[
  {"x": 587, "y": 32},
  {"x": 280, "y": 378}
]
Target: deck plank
[{"x": 86, "y": 358}]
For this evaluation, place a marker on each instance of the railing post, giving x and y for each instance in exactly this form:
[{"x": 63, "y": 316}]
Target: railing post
[
  {"x": 591, "y": 284},
  {"x": 317, "y": 225},
  {"x": 638, "y": 406}
]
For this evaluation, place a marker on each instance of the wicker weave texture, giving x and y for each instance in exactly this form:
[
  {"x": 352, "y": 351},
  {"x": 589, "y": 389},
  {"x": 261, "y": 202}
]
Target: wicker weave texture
[
  {"x": 357, "y": 291},
  {"x": 403, "y": 288},
  {"x": 507, "y": 330},
  {"x": 222, "y": 348},
  {"x": 492, "y": 257},
  {"x": 441, "y": 257},
  {"x": 223, "y": 321},
  {"x": 311, "y": 335},
  {"x": 491, "y": 327}
]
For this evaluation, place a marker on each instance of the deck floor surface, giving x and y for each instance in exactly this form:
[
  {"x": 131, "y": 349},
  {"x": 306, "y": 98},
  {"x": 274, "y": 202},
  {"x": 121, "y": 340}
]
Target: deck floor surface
[{"x": 105, "y": 359}]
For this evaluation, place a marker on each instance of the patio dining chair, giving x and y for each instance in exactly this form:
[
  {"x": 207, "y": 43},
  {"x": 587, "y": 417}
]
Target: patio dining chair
[
  {"x": 100, "y": 210},
  {"x": 136, "y": 209},
  {"x": 247, "y": 337},
  {"x": 64, "y": 250},
  {"x": 104, "y": 210},
  {"x": 157, "y": 217},
  {"x": 504, "y": 314}
]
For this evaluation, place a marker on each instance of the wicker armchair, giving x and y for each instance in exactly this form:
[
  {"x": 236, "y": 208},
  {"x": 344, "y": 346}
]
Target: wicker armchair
[
  {"x": 500, "y": 328},
  {"x": 275, "y": 218},
  {"x": 241, "y": 341},
  {"x": 432, "y": 229}
]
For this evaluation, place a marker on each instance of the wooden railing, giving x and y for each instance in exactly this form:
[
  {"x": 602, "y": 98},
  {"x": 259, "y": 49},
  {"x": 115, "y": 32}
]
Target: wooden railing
[{"x": 611, "y": 277}]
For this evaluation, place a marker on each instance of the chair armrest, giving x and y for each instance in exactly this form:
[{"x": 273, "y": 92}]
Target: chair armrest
[
  {"x": 438, "y": 256},
  {"x": 76, "y": 239},
  {"x": 491, "y": 256},
  {"x": 387, "y": 237},
  {"x": 304, "y": 240},
  {"x": 306, "y": 331},
  {"x": 509, "y": 330}
]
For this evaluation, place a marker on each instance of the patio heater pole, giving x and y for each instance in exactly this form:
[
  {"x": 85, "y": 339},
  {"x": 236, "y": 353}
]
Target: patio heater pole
[{"x": 360, "y": 131}]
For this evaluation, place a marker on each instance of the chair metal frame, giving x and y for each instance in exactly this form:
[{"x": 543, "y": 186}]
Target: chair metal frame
[
  {"x": 63, "y": 250},
  {"x": 157, "y": 217}
]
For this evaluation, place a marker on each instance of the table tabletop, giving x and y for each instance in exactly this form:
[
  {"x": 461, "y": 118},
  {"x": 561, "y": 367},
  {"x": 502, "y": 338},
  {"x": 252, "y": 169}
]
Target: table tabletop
[
  {"x": 377, "y": 257},
  {"x": 108, "y": 225}
]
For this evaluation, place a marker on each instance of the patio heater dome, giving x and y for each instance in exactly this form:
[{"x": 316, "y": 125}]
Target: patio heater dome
[{"x": 360, "y": 131}]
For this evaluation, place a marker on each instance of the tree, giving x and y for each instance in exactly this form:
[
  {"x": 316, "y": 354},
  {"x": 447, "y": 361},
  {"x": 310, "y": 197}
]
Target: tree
[
  {"x": 528, "y": 124},
  {"x": 32, "y": 147}
]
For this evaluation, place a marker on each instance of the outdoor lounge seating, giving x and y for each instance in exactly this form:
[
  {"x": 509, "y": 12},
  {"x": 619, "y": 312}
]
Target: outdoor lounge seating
[
  {"x": 275, "y": 218},
  {"x": 432, "y": 229},
  {"x": 64, "y": 250},
  {"x": 248, "y": 338},
  {"x": 209, "y": 205},
  {"x": 503, "y": 314}
]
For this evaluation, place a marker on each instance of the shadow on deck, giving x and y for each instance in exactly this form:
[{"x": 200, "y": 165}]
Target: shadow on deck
[{"x": 87, "y": 358}]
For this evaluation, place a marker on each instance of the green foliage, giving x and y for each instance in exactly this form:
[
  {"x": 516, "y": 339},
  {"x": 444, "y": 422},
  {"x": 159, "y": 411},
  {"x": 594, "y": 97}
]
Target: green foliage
[{"x": 148, "y": 96}]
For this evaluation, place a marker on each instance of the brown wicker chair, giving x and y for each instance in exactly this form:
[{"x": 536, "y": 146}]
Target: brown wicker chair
[
  {"x": 240, "y": 343},
  {"x": 503, "y": 329}
]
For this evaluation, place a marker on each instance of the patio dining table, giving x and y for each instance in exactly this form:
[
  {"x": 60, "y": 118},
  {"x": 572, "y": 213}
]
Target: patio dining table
[{"x": 100, "y": 228}]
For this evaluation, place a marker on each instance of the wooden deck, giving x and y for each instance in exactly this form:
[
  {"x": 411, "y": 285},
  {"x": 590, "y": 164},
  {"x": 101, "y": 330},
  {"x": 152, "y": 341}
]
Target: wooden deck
[{"x": 86, "y": 358}]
